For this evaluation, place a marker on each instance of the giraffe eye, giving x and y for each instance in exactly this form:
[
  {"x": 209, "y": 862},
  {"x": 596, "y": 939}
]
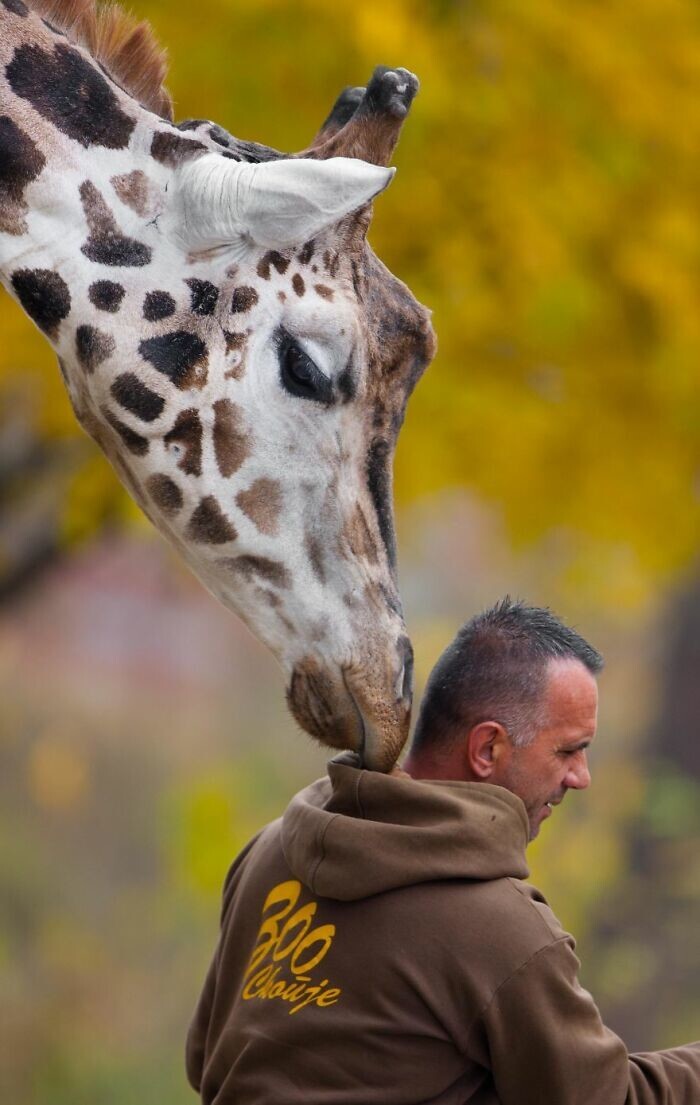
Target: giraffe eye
[{"x": 298, "y": 373}]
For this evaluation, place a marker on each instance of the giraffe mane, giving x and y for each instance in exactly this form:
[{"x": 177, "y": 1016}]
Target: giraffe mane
[{"x": 127, "y": 49}]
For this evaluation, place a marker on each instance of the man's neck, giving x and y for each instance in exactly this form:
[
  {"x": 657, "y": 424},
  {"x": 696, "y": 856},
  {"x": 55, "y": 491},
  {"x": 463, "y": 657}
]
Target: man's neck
[{"x": 424, "y": 765}]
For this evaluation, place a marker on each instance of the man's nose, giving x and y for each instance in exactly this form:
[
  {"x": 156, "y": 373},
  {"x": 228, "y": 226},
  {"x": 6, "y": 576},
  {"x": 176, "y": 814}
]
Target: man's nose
[{"x": 578, "y": 776}]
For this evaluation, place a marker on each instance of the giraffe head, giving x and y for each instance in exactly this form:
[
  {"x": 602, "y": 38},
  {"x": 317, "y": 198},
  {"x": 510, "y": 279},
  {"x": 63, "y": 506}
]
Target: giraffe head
[{"x": 233, "y": 345}]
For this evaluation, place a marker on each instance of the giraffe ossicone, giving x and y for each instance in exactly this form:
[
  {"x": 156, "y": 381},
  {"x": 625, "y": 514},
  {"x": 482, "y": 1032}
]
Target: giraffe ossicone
[{"x": 229, "y": 340}]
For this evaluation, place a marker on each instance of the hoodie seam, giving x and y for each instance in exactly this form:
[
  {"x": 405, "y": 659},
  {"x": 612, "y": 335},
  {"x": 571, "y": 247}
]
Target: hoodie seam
[
  {"x": 517, "y": 887},
  {"x": 554, "y": 943},
  {"x": 322, "y": 850}
]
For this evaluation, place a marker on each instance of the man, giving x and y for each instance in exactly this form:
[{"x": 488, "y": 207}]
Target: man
[
  {"x": 513, "y": 701},
  {"x": 378, "y": 943}
]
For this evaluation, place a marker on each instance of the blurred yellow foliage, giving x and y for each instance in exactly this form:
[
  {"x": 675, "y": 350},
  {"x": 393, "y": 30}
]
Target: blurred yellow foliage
[{"x": 209, "y": 820}]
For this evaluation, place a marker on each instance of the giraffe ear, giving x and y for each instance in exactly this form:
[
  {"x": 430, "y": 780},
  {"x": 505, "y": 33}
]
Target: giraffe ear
[{"x": 275, "y": 204}]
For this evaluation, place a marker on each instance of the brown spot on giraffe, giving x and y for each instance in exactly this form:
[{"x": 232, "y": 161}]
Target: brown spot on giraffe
[
  {"x": 235, "y": 349},
  {"x": 243, "y": 299},
  {"x": 180, "y": 355},
  {"x": 274, "y": 258},
  {"x": 21, "y": 162},
  {"x": 358, "y": 535},
  {"x": 136, "y": 397},
  {"x": 331, "y": 262},
  {"x": 165, "y": 493},
  {"x": 235, "y": 341},
  {"x": 106, "y": 295},
  {"x": 157, "y": 305},
  {"x": 173, "y": 149},
  {"x": 231, "y": 439},
  {"x": 135, "y": 190},
  {"x": 87, "y": 110},
  {"x": 45, "y": 297},
  {"x": 12, "y": 220},
  {"x": 298, "y": 284},
  {"x": 186, "y": 438},
  {"x": 203, "y": 296},
  {"x": 208, "y": 524},
  {"x": 262, "y": 503},
  {"x": 259, "y": 567},
  {"x": 93, "y": 346},
  {"x": 106, "y": 245},
  {"x": 314, "y": 551}
]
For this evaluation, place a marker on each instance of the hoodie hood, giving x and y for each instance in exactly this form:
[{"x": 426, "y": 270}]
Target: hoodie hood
[{"x": 356, "y": 833}]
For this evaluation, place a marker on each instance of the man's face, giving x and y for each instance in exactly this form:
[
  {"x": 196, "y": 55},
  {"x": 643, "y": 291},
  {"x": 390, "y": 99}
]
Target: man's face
[{"x": 555, "y": 761}]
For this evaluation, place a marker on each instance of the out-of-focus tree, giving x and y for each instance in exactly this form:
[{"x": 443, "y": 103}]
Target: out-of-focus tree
[
  {"x": 645, "y": 957},
  {"x": 546, "y": 208}
]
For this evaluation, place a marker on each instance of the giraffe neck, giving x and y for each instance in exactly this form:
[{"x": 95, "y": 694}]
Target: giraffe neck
[{"x": 84, "y": 173}]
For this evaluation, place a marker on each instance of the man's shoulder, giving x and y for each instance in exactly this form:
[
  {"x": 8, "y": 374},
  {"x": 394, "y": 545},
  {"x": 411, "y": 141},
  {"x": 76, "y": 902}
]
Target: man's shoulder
[
  {"x": 508, "y": 918},
  {"x": 531, "y": 903}
]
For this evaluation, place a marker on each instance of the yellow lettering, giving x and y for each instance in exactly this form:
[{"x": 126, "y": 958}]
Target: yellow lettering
[
  {"x": 285, "y": 894},
  {"x": 257, "y": 981},
  {"x": 330, "y": 997},
  {"x": 323, "y": 935},
  {"x": 309, "y": 996},
  {"x": 293, "y": 991},
  {"x": 305, "y": 948},
  {"x": 265, "y": 990},
  {"x": 302, "y": 918}
]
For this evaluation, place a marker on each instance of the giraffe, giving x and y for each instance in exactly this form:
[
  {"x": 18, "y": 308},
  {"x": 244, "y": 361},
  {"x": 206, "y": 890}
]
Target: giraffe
[{"x": 228, "y": 339}]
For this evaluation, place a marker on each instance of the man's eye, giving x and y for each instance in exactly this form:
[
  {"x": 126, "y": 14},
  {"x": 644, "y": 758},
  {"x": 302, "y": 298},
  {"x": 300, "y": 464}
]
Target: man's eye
[{"x": 299, "y": 375}]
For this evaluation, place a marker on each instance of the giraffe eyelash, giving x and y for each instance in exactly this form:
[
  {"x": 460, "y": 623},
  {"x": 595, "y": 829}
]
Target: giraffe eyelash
[{"x": 300, "y": 376}]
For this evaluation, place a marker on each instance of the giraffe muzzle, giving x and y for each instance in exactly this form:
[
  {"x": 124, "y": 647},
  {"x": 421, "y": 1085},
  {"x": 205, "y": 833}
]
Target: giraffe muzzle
[{"x": 364, "y": 709}]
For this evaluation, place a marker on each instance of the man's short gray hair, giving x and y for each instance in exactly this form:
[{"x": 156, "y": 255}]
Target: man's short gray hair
[{"x": 495, "y": 670}]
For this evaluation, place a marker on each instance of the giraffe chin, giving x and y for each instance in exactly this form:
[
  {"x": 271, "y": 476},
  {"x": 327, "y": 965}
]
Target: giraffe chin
[{"x": 347, "y": 712}]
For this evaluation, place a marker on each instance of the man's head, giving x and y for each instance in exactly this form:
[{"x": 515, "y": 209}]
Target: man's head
[{"x": 512, "y": 701}]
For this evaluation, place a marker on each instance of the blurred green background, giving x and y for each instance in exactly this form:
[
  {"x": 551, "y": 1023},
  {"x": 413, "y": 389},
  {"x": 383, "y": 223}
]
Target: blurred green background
[{"x": 546, "y": 208}]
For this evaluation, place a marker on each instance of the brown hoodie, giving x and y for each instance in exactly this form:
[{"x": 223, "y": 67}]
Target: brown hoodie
[{"x": 378, "y": 945}]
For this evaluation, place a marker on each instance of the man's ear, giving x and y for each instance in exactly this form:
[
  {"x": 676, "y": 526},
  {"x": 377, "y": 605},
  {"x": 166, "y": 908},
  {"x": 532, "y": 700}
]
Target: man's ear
[{"x": 482, "y": 748}]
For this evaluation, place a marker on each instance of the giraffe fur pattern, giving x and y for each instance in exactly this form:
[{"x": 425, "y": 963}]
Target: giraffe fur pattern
[{"x": 228, "y": 339}]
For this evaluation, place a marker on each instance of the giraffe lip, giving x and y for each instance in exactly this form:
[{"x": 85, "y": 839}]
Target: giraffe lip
[
  {"x": 323, "y": 704},
  {"x": 345, "y": 706},
  {"x": 361, "y": 718}
]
